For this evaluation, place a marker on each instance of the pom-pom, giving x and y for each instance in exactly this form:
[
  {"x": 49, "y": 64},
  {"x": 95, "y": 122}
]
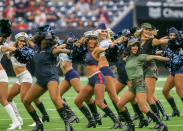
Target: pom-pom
[
  {"x": 78, "y": 53},
  {"x": 24, "y": 54},
  {"x": 113, "y": 53}
]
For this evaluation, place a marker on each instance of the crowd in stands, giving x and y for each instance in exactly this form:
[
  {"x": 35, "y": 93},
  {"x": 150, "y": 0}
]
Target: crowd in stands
[{"x": 26, "y": 14}]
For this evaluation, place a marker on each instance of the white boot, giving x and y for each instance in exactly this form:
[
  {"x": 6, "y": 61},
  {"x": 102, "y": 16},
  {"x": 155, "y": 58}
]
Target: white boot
[
  {"x": 13, "y": 117},
  {"x": 13, "y": 104}
]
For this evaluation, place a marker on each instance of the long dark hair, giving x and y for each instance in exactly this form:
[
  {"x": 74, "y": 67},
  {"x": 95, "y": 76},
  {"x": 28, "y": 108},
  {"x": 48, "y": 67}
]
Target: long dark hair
[
  {"x": 128, "y": 49},
  {"x": 48, "y": 42}
]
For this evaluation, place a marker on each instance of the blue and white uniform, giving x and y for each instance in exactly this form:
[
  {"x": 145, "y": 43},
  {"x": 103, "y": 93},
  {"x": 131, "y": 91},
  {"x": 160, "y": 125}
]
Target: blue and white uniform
[
  {"x": 97, "y": 77},
  {"x": 106, "y": 70},
  {"x": 3, "y": 75},
  {"x": 23, "y": 76},
  {"x": 71, "y": 74},
  {"x": 45, "y": 66}
]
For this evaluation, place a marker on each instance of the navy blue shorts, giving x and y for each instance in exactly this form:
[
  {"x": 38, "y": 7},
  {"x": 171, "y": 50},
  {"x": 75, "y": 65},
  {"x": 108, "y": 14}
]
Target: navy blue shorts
[
  {"x": 122, "y": 75},
  {"x": 71, "y": 74},
  {"x": 180, "y": 71},
  {"x": 106, "y": 70},
  {"x": 43, "y": 82},
  {"x": 96, "y": 78}
]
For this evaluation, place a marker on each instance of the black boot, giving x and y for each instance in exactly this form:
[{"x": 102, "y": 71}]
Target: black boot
[
  {"x": 130, "y": 125},
  {"x": 95, "y": 114},
  {"x": 155, "y": 118},
  {"x": 70, "y": 114},
  {"x": 91, "y": 121},
  {"x": 174, "y": 107},
  {"x": 121, "y": 118},
  {"x": 109, "y": 113},
  {"x": 135, "y": 117},
  {"x": 105, "y": 115},
  {"x": 143, "y": 121},
  {"x": 63, "y": 116},
  {"x": 155, "y": 110},
  {"x": 43, "y": 111},
  {"x": 160, "y": 107},
  {"x": 39, "y": 125}
]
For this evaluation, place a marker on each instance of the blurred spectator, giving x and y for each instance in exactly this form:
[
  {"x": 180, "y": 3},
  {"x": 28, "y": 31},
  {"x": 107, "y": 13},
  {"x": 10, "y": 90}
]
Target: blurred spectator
[
  {"x": 94, "y": 7},
  {"x": 20, "y": 8},
  {"x": 103, "y": 16},
  {"x": 42, "y": 7},
  {"x": 13, "y": 25},
  {"x": 30, "y": 16},
  {"x": 10, "y": 12},
  {"x": 71, "y": 19},
  {"x": 51, "y": 16},
  {"x": 32, "y": 7},
  {"x": 80, "y": 25},
  {"x": 90, "y": 24},
  {"x": 21, "y": 25},
  {"x": 40, "y": 18},
  {"x": 82, "y": 6}
]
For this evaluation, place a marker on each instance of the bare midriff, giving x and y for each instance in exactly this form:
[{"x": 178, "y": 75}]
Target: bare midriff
[
  {"x": 65, "y": 66},
  {"x": 103, "y": 62},
  {"x": 19, "y": 69},
  {"x": 91, "y": 69}
]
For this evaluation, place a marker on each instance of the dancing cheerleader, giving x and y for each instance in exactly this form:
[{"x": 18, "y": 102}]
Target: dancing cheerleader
[
  {"x": 5, "y": 31},
  {"x": 175, "y": 52},
  {"x": 72, "y": 78},
  {"x": 122, "y": 79},
  {"x": 96, "y": 83},
  {"x": 104, "y": 42},
  {"x": 46, "y": 75},
  {"x": 24, "y": 78},
  {"x": 146, "y": 35},
  {"x": 138, "y": 88}
]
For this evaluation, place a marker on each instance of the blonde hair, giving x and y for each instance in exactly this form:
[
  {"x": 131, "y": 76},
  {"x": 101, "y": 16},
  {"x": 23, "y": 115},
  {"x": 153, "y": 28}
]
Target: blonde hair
[
  {"x": 99, "y": 38},
  {"x": 138, "y": 33}
]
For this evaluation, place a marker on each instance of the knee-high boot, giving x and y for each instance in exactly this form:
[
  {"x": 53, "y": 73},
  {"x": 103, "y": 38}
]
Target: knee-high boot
[
  {"x": 63, "y": 115},
  {"x": 91, "y": 121},
  {"x": 96, "y": 115}
]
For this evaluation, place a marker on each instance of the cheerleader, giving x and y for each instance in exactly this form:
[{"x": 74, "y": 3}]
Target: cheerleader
[
  {"x": 4, "y": 88},
  {"x": 24, "y": 79},
  {"x": 96, "y": 84},
  {"x": 175, "y": 77},
  {"x": 134, "y": 69},
  {"x": 46, "y": 75},
  {"x": 146, "y": 34}
]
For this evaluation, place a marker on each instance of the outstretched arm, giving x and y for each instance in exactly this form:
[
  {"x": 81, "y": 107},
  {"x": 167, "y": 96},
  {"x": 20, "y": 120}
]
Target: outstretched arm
[
  {"x": 59, "y": 49},
  {"x": 154, "y": 57},
  {"x": 157, "y": 42},
  {"x": 6, "y": 48}
]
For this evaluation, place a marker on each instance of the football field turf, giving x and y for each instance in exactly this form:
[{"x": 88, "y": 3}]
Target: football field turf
[{"x": 56, "y": 124}]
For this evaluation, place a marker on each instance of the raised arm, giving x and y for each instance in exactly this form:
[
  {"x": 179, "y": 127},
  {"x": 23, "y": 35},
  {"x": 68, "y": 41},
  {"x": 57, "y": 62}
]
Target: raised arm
[
  {"x": 163, "y": 41},
  {"x": 7, "y": 48},
  {"x": 60, "y": 49},
  {"x": 154, "y": 57}
]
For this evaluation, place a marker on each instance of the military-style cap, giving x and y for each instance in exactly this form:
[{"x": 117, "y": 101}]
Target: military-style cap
[
  {"x": 146, "y": 25},
  {"x": 132, "y": 42}
]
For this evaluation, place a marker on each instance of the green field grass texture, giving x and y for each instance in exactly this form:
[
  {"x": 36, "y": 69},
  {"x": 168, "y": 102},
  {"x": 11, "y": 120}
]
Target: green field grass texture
[{"x": 56, "y": 124}]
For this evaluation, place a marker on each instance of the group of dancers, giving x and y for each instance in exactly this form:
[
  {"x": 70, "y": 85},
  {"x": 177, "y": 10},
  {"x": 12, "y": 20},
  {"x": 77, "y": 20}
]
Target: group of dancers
[{"x": 132, "y": 54}]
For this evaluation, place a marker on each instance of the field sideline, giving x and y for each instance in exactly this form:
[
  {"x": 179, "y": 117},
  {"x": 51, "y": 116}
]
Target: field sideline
[{"x": 175, "y": 124}]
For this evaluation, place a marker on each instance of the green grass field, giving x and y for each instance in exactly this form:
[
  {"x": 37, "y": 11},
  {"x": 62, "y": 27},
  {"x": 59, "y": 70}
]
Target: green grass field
[{"x": 56, "y": 124}]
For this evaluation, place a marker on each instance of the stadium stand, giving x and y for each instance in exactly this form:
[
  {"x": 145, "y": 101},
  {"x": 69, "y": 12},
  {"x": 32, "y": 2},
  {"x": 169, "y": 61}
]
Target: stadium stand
[{"x": 57, "y": 13}]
